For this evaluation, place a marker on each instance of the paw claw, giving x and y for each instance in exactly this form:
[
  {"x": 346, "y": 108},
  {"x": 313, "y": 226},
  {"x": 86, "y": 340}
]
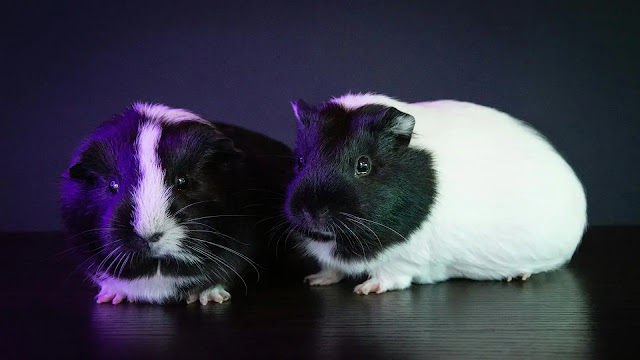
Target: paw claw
[
  {"x": 118, "y": 299},
  {"x": 216, "y": 294},
  {"x": 369, "y": 287},
  {"x": 324, "y": 277},
  {"x": 522, "y": 277},
  {"x": 105, "y": 296}
]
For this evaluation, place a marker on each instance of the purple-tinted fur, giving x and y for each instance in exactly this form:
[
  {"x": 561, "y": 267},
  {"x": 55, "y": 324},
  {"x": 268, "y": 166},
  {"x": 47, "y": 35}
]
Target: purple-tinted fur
[{"x": 97, "y": 220}]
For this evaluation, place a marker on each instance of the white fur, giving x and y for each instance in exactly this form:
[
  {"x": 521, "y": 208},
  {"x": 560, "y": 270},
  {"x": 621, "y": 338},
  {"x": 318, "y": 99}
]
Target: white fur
[
  {"x": 154, "y": 289},
  {"x": 152, "y": 198},
  {"x": 164, "y": 114},
  {"x": 294, "y": 105},
  {"x": 507, "y": 203}
]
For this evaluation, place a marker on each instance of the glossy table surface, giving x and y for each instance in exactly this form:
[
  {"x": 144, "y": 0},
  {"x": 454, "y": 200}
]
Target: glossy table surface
[{"x": 588, "y": 309}]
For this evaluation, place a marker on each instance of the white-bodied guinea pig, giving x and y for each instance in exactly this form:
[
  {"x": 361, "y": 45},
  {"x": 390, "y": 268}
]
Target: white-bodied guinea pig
[
  {"x": 421, "y": 193},
  {"x": 163, "y": 206}
]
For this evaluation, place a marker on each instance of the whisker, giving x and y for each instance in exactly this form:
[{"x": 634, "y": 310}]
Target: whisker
[
  {"x": 251, "y": 205},
  {"x": 268, "y": 218},
  {"x": 367, "y": 228},
  {"x": 90, "y": 230},
  {"x": 295, "y": 230},
  {"x": 217, "y": 233},
  {"x": 219, "y": 260},
  {"x": 106, "y": 258},
  {"x": 69, "y": 249},
  {"x": 286, "y": 238},
  {"x": 123, "y": 262},
  {"x": 218, "y": 216},
  {"x": 284, "y": 233},
  {"x": 112, "y": 262},
  {"x": 205, "y": 252},
  {"x": 97, "y": 252},
  {"x": 192, "y": 204},
  {"x": 356, "y": 237},
  {"x": 374, "y": 222},
  {"x": 242, "y": 256},
  {"x": 274, "y": 231},
  {"x": 199, "y": 223}
]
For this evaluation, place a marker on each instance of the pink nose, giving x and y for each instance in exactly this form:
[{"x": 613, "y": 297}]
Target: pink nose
[{"x": 312, "y": 217}]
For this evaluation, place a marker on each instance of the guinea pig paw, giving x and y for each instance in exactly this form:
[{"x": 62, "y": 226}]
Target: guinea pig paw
[
  {"x": 106, "y": 296},
  {"x": 369, "y": 287},
  {"x": 192, "y": 298},
  {"x": 216, "y": 293},
  {"x": 522, "y": 277},
  {"x": 324, "y": 277}
]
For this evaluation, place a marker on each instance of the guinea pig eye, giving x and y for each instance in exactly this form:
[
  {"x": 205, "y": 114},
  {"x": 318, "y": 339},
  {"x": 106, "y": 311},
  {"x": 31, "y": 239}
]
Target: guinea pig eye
[
  {"x": 113, "y": 186},
  {"x": 300, "y": 162},
  {"x": 181, "y": 182},
  {"x": 363, "y": 166}
]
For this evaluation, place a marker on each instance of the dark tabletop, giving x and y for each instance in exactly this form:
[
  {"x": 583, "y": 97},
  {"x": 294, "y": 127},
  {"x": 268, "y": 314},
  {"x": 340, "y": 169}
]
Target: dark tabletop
[{"x": 588, "y": 309}]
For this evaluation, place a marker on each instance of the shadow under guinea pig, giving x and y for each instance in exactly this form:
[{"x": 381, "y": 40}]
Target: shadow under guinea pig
[{"x": 458, "y": 319}]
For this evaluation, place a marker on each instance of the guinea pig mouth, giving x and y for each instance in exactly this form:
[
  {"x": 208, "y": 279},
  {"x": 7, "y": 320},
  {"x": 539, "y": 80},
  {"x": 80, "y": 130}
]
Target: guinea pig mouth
[{"x": 320, "y": 235}]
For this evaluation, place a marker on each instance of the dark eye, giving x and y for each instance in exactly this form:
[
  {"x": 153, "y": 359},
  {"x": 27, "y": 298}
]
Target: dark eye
[
  {"x": 113, "y": 186},
  {"x": 181, "y": 182},
  {"x": 363, "y": 166},
  {"x": 300, "y": 162}
]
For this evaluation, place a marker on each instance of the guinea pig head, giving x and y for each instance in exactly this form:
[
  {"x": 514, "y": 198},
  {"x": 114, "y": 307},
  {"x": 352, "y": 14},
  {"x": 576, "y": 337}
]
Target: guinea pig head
[
  {"x": 139, "y": 185},
  {"x": 355, "y": 176}
]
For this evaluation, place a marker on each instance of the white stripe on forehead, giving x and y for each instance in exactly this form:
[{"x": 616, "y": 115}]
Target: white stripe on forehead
[
  {"x": 165, "y": 115},
  {"x": 151, "y": 196},
  {"x": 354, "y": 101}
]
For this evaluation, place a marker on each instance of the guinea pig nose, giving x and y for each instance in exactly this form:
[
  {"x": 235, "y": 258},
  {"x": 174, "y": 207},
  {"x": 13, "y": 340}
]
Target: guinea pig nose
[
  {"x": 307, "y": 214},
  {"x": 316, "y": 215},
  {"x": 155, "y": 237},
  {"x": 323, "y": 212}
]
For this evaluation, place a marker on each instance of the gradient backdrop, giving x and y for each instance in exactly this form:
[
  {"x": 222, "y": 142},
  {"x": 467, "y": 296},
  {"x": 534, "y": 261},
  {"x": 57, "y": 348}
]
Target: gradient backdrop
[{"x": 569, "y": 68}]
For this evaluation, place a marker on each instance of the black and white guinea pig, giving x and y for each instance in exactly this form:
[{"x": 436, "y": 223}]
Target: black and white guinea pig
[
  {"x": 420, "y": 193},
  {"x": 163, "y": 206}
]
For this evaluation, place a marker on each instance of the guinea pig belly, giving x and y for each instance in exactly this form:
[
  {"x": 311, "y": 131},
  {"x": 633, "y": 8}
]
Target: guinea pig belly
[{"x": 153, "y": 289}]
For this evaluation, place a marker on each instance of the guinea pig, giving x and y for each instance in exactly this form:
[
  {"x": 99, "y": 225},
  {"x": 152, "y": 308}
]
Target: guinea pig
[
  {"x": 161, "y": 206},
  {"x": 421, "y": 193}
]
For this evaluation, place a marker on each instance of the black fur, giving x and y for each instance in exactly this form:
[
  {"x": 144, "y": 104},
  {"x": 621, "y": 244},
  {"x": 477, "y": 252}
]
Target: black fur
[
  {"x": 389, "y": 203},
  {"x": 232, "y": 174}
]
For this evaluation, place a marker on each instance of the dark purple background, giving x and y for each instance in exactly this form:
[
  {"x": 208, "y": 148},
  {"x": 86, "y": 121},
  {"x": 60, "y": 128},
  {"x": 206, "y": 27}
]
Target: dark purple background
[{"x": 572, "y": 70}]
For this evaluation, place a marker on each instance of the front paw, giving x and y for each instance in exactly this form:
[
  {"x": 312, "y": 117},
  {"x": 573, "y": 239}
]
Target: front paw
[
  {"x": 109, "y": 296},
  {"x": 324, "y": 277},
  {"x": 379, "y": 286},
  {"x": 215, "y": 293},
  {"x": 522, "y": 277},
  {"x": 369, "y": 286}
]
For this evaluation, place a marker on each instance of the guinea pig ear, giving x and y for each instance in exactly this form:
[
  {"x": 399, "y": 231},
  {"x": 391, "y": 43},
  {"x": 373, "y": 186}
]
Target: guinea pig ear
[
  {"x": 399, "y": 124},
  {"x": 80, "y": 171},
  {"x": 224, "y": 149},
  {"x": 303, "y": 112}
]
